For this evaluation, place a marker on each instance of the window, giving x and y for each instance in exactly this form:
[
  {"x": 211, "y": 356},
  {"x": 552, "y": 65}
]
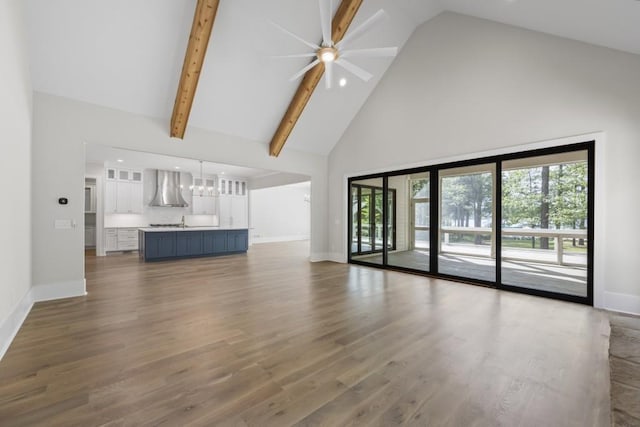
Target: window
[
  {"x": 520, "y": 221},
  {"x": 466, "y": 244},
  {"x": 544, "y": 222},
  {"x": 368, "y": 231},
  {"x": 411, "y": 217}
]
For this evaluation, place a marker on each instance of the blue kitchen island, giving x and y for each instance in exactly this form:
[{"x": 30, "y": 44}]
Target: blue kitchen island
[{"x": 164, "y": 243}]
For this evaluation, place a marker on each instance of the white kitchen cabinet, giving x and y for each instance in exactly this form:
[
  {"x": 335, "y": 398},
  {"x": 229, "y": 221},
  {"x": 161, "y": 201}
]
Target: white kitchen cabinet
[
  {"x": 137, "y": 198},
  {"x": 234, "y": 212},
  {"x": 123, "y": 197},
  {"x": 233, "y": 203},
  {"x": 110, "y": 197},
  {"x": 239, "y": 212},
  {"x": 121, "y": 239},
  {"x": 110, "y": 239},
  {"x": 127, "y": 239},
  {"x": 129, "y": 175},
  {"x": 204, "y": 205},
  {"x": 111, "y": 174}
]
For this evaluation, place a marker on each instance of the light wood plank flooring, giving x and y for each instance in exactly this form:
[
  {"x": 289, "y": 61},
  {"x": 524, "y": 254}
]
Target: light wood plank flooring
[{"x": 269, "y": 339}]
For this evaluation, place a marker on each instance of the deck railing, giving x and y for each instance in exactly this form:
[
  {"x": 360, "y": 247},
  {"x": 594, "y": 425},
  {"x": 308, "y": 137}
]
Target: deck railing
[{"x": 558, "y": 235}]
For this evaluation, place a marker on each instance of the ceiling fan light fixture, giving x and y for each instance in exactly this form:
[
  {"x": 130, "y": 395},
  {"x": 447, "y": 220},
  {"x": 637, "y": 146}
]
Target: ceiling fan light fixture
[{"x": 327, "y": 54}]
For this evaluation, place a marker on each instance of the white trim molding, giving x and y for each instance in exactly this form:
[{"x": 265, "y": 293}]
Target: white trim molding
[
  {"x": 11, "y": 325},
  {"x": 52, "y": 291},
  {"x": 622, "y": 303},
  {"x": 58, "y": 290},
  {"x": 327, "y": 256},
  {"x": 258, "y": 240}
]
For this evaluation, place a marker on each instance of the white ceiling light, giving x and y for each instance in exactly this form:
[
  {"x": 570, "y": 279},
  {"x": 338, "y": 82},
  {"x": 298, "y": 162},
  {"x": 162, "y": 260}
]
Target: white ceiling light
[
  {"x": 343, "y": 82},
  {"x": 330, "y": 53},
  {"x": 119, "y": 160},
  {"x": 327, "y": 54}
]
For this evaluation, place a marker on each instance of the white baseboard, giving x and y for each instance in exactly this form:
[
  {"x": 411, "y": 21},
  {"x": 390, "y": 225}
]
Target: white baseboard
[
  {"x": 623, "y": 303},
  {"x": 57, "y": 290},
  {"x": 11, "y": 325},
  {"x": 278, "y": 239},
  {"x": 326, "y": 256}
]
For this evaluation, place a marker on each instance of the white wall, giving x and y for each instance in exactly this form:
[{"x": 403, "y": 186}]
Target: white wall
[
  {"x": 280, "y": 214},
  {"x": 275, "y": 180},
  {"x": 15, "y": 171},
  {"x": 62, "y": 125},
  {"x": 464, "y": 85}
]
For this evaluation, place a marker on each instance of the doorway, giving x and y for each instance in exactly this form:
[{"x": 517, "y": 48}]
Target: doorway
[{"x": 369, "y": 216}]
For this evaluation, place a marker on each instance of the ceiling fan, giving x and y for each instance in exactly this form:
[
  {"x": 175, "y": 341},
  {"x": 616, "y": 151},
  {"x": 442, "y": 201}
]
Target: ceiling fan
[{"x": 329, "y": 53}]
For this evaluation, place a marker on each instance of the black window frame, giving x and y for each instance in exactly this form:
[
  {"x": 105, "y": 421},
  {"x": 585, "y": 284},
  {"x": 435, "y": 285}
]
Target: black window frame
[
  {"x": 384, "y": 218},
  {"x": 497, "y": 160}
]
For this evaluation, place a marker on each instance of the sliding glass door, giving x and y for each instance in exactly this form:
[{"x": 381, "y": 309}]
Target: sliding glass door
[
  {"x": 466, "y": 244},
  {"x": 519, "y": 221},
  {"x": 367, "y": 230},
  {"x": 545, "y": 215},
  {"x": 411, "y": 218}
]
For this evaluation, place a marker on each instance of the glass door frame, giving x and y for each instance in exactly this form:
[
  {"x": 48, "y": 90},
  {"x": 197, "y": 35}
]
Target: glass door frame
[
  {"x": 434, "y": 201},
  {"x": 491, "y": 168},
  {"x": 372, "y": 233}
]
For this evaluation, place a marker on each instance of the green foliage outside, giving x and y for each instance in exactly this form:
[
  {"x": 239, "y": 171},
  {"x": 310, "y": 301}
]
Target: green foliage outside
[
  {"x": 553, "y": 197},
  {"x": 567, "y": 198}
]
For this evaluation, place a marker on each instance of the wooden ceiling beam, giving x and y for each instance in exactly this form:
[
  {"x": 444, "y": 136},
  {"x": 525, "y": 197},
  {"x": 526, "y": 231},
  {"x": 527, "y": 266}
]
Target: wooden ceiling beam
[
  {"x": 201, "y": 29},
  {"x": 340, "y": 24}
]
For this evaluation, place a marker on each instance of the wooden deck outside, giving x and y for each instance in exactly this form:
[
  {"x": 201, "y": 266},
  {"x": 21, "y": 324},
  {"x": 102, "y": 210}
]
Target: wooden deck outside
[{"x": 565, "y": 279}]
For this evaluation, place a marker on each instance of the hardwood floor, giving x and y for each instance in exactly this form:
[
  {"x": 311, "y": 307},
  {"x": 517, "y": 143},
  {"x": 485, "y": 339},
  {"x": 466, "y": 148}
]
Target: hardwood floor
[{"x": 271, "y": 339}]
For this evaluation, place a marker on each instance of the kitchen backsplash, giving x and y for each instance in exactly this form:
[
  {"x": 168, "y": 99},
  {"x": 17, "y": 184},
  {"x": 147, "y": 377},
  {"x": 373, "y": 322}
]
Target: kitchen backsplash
[{"x": 159, "y": 216}]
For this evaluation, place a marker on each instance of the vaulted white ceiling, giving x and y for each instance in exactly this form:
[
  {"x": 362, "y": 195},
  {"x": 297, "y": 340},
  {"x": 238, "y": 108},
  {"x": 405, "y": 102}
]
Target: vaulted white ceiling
[{"x": 127, "y": 54}]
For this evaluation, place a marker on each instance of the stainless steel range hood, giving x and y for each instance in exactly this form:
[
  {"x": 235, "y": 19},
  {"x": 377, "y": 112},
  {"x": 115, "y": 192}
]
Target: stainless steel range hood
[{"x": 168, "y": 191}]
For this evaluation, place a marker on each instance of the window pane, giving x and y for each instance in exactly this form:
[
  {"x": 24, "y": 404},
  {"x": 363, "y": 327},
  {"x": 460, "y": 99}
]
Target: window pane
[
  {"x": 467, "y": 238},
  {"x": 367, "y": 226},
  {"x": 544, "y": 221},
  {"x": 411, "y": 221}
]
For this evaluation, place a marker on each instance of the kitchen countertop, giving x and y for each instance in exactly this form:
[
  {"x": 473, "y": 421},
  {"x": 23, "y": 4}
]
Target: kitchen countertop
[{"x": 187, "y": 228}]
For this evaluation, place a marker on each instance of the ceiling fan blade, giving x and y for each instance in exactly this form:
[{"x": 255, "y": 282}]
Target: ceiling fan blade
[
  {"x": 352, "y": 68},
  {"x": 328, "y": 74},
  {"x": 362, "y": 28},
  {"x": 373, "y": 52},
  {"x": 304, "y": 70},
  {"x": 297, "y": 55},
  {"x": 295, "y": 36},
  {"x": 325, "y": 21}
]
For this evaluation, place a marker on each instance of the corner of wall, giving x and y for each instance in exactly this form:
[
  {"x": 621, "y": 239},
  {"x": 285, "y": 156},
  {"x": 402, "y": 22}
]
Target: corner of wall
[
  {"x": 10, "y": 327},
  {"x": 328, "y": 256},
  {"x": 58, "y": 290}
]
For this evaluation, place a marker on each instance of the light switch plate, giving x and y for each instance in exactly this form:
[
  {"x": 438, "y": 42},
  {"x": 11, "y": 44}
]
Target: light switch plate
[{"x": 62, "y": 224}]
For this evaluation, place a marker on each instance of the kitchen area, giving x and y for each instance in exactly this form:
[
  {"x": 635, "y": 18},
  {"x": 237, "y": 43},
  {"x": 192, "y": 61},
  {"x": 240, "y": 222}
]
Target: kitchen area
[{"x": 164, "y": 207}]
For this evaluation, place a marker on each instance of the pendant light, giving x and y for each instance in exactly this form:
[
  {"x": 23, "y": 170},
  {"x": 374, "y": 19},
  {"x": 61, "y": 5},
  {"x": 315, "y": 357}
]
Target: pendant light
[{"x": 199, "y": 188}]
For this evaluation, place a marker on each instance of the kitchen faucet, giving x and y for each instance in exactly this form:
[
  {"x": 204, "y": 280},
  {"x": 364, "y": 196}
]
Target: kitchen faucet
[{"x": 182, "y": 222}]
